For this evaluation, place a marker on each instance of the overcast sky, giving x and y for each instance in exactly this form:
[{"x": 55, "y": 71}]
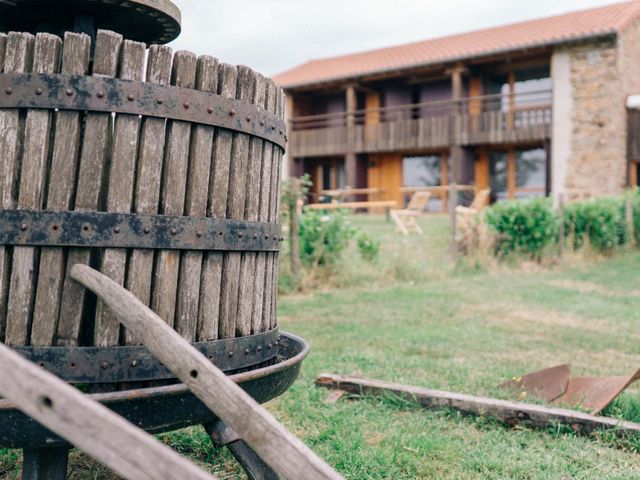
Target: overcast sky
[{"x": 274, "y": 35}]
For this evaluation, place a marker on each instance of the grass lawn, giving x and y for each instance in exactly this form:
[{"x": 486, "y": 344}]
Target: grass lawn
[{"x": 410, "y": 318}]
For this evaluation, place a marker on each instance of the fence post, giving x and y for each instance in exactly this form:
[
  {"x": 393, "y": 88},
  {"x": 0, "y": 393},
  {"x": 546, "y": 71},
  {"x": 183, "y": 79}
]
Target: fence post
[
  {"x": 294, "y": 239},
  {"x": 453, "y": 203}
]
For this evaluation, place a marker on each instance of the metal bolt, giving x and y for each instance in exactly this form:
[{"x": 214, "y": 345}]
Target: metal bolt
[
  {"x": 209, "y": 110},
  {"x": 131, "y": 97},
  {"x": 174, "y": 230},
  {"x": 273, "y": 127},
  {"x": 186, "y": 105},
  {"x": 104, "y": 365},
  {"x": 262, "y": 123},
  {"x": 255, "y": 235},
  {"x": 231, "y": 354},
  {"x": 259, "y": 348},
  {"x": 248, "y": 118},
  {"x": 246, "y": 352},
  {"x": 232, "y": 112},
  {"x": 38, "y": 91},
  {"x": 134, "y": 363},
  {"x": 69, "y": 92},
  {"x": 100, "y": 94},
  {"x": 269, "y": 346},
  {"x": 240, "y": 235},
  {"x": 117, "y": 229},
  {"x": 8, "y": 90},
  {"x": 146, "y": 229},
  {"x": 23, "y": 227},
  {"x": 266, "y": 237},
  {"x": 198, "y": 233},
  {"x": 160, "y": 101}
]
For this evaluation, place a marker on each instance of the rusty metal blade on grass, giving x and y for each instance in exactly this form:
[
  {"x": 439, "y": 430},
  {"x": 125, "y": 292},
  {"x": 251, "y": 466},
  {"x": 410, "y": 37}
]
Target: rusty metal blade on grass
[{"x": 547, "y": 384}]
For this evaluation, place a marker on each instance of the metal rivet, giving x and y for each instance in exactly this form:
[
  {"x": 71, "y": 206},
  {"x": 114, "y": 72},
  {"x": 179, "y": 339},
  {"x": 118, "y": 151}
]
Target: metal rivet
[
  {"x": 8, "y": 90},
  {"x": 134, "y": 363},
  {"x": 269, "y": 346},
  {"x": 131, "y": 97},
  {"x": 174, "y": 231},
  {"x": 146, "y": 229},
  {"x": 248, "y": 119},
  {"x": 38, "y": 91},
  {"x": 210, "y": 110},
  {"x": 104, "y": 365},
  {"x": 255, "y": 235},
  {"x": 232, "y": 112},
  {"x": 23, "y": 227},
  {"x": 240, "y": 235},
  {"x": 160, "y": 101},
  {"x": 69, "y": 92},
  {"x": 273, "y": 127},
  {"x": 117, "y": 229},
  {"x": 186, "y": 105},
  {"x": 198, "y": 233},
  {"x": 246, "y": 352},
  {"x": 231, "y": 354},
  {"x": 266, "y": 237},
  {"x": 259, "y": 348},
  {"x": 100, "y": 94},
  {"x": 262, "y": 123}
]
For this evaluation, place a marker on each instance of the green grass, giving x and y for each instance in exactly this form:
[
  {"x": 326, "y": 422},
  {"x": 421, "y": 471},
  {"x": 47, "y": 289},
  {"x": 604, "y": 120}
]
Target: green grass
[{"x": 412, "y": 318}]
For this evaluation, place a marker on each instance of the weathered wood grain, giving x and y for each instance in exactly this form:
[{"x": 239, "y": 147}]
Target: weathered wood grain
[
  {"x": 61, "y": 184},
  {"x": 18, "y": 58},
  {"x": 246, "y": 281},
  {"x": 46, "y": 59},
  {"x": 511, "y": 413},
  {"x": 257, "y": 316},
  {"x": 196, "y": 205},
  {"x": 172, "y": 193},
  {"x": 92, "y": 427},
  {"x": 149, "y": 175},
  {"x": 269, "y": 439},
  {"x": 3, "y": 46},
  {"x": 120, "y": 182},
  {"x": 235, "y": 209},
  {"x": 210, "y": 285},
  {"x": 95, "y": 148}
]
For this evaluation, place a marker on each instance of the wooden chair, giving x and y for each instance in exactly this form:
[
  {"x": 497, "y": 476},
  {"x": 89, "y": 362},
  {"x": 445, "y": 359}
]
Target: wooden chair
[
  {"x": 466, "y": 214},
  {"x": 405, "y": 219}
]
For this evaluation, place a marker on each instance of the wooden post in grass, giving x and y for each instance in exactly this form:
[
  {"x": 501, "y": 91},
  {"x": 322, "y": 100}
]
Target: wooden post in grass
[
  {"x": 629, "y": 217},
  {"x": 561, "y": 232}
]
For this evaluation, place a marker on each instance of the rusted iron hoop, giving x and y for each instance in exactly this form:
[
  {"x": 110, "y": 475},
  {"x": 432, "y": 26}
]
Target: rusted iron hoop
[
  {"x": 136, "y": 363},
  {"x": 99, "y": 94},
  {"x": 150, "y": 21},
  {"x": 121, "y": 230}
]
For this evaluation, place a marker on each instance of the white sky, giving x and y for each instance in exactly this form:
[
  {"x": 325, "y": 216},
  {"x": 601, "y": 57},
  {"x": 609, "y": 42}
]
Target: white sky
[{"x": 275, "y": 35}]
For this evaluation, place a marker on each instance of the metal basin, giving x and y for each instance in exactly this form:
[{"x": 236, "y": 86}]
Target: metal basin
[{"x": 162, "y": 409}]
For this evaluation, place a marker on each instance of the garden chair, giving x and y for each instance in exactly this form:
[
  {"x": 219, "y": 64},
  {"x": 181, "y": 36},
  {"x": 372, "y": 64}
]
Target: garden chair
[
  {"x": 480, "y": 201},
  {"x": 405, "y": 219}
]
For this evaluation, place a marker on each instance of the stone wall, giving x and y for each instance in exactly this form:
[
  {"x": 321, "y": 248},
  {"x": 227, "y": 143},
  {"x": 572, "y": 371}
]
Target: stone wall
[{"x": 597, "y": 163}]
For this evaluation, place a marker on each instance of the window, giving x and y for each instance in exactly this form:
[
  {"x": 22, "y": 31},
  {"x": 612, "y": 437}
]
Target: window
[
  {"x": 531, "y": 173},
  {"x": 425, "y": 171},
  {"x": 498, "y": 175}
]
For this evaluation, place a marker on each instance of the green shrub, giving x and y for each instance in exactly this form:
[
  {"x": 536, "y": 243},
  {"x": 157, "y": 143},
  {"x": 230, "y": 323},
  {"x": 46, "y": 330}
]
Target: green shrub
[
  {"x": 523, "y": 227},
  {"x": 368, "y": 247},
  {"x": 600, "y": 222},
  {"x": 324, "y": 236}
]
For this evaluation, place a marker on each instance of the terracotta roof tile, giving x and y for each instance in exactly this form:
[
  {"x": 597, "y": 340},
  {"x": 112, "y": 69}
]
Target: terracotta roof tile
[{"x": 610, "y": 19}]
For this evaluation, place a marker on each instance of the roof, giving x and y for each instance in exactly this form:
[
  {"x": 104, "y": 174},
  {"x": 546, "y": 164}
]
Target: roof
[{"x": 584, "y": 24}]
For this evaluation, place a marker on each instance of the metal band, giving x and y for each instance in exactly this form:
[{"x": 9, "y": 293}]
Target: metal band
[
  {"x": 134, "y": 364},
  {"x": 120, "y": 230},
  {"x": 99, "y": 94}
]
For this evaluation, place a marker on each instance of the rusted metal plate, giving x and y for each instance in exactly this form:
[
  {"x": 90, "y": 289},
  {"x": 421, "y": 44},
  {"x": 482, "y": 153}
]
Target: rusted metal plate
[
  {"x": 162, "y": 409},
  {"x": 136, "y": 363},
  {"x": 118, "y": 230},
  {"x": 547, "y": 384},
  {"x": 595, "y": 393},
  {"x": 150, "y": 21},
  {"x": 102, "y": 94}
]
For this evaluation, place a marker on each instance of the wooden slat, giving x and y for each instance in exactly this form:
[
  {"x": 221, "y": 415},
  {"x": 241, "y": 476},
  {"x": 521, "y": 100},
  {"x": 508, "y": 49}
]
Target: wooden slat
[
  {"x": 257, "y": 317},
  {"x": 95, "y": 147},
  {"x": 46, "y": 59},
  {"x": 17, "y": 59},
  {"x": 62, "y": 180},
  {"x": 246, "y": 281},
  {"x": 92, "y": 427},
  {"x": 196, "y": 205},
  {"x": 120, "y": 189},
  {"x": 149, "y": 174},
  {"x": 235, "y": 209},
  {"x": 278, "y": 447},
  {"x": 210, "y": 285},
  {"x": 511, "y": 413},
  {"x": 172, "y": 193}
]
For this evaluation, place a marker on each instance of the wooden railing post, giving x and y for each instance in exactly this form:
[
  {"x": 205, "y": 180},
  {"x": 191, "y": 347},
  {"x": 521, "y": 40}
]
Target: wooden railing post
[{"x": 350, "y": 158}]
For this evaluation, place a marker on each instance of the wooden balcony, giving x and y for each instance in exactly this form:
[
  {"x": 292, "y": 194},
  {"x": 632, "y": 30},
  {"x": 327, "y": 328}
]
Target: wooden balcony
[{"x": 493, "y": 119}]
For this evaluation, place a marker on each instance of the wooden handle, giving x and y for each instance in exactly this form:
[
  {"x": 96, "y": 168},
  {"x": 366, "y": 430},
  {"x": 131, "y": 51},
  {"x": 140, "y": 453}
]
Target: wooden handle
[
  {"x": 284, "y": 452},
  {"x": 90, "y": 426}
]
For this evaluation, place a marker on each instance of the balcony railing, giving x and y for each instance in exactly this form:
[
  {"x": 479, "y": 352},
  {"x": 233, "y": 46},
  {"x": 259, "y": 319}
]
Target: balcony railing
[{"x": 489, "y": 119}]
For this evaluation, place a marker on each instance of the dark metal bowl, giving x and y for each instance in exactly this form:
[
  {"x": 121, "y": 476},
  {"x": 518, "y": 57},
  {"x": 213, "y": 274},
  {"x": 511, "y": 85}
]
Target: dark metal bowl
[{"x": 163, "y": 409}]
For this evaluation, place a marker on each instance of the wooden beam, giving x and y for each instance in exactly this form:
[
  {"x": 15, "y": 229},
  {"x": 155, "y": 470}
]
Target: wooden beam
[
  {"x": 511, "y": 173},
  {"x": 278, "y": 447},
  {"x": 511, "y": 413}
]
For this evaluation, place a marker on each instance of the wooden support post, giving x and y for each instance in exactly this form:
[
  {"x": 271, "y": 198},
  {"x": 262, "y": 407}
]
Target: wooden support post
[
  {"x": 456, "y": 154},
  {"x": 45, "y": 463},
  {"x": 511, "y": 173},
  {"x": 254, "y": 424},
  {"x": 350, "y": 158}
]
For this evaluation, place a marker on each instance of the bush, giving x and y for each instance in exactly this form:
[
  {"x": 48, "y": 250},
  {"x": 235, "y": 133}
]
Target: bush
[
  {"x": 324, "y": 236},
  {"x": 600, "y": 223},
  {"x": 523, "y": 227},
  {"x": 368, "y": 247}
]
